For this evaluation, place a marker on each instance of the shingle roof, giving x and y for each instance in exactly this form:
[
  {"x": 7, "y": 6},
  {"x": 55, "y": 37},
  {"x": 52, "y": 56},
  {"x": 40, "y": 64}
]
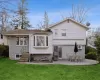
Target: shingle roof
[{"x": 23, "y": 31}]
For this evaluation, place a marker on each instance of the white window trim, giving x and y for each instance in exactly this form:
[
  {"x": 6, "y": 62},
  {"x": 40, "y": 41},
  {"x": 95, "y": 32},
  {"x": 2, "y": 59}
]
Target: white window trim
[
  {"x": 16, "y": 57},
  {"x": 62, "y": 32},
  {"x": 36, "y": 41},
  {"x": 19, "y": 41},
  {"x": 55, "y": 32}
]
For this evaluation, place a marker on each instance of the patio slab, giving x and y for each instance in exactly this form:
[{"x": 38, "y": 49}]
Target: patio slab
[{"x": 65, "y": 62}]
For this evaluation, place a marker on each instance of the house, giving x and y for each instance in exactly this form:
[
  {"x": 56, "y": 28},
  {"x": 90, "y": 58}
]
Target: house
[
  {"x": 38, "y": 43},
  {"x": 44, "y": 44},
  {"x": 65, "y": 34}
]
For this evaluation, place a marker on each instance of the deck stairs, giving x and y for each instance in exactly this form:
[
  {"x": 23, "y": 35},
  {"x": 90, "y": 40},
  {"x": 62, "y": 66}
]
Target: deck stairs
[{"x": 24, "y": 57}]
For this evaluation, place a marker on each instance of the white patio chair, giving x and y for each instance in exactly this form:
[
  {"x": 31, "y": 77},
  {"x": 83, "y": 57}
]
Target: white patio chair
[
  {"x": 68, "y": 57},
  {"x": 77, "y": 58},
  {"x": 73, "y": 58}
]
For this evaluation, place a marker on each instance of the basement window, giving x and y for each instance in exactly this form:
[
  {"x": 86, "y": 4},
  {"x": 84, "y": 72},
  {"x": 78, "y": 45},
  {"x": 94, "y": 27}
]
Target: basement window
[{"x": 18, "y": 56}]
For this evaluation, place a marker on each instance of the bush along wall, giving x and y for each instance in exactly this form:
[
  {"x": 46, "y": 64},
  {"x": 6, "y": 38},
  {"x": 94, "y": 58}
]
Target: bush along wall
[
  {"x": 4, "y": 51},
  {"x": 91, "y": 53}
]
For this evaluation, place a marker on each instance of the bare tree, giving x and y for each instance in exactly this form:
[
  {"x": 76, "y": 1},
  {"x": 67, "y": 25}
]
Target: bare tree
[
  {"x": 92, "y": 34},
  {"x": 79, "y": 13},
  {"x": 4, "y": 17},
  {"x": 40, "y": 25},
  {"x": 4, "y": 14},
  {"x": 97, "y": 31},
  {"x": 45, "y": 23}
]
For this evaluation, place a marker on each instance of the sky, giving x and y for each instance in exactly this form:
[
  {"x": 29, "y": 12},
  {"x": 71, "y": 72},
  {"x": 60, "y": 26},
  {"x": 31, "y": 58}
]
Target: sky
[{"x": 58, "y": 8}]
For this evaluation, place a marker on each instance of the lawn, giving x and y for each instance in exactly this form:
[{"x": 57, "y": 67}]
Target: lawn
[{"x": 11, "y": 70}]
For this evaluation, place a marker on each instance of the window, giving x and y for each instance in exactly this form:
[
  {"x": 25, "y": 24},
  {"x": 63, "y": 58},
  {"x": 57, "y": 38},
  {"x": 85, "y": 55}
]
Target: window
[
  {"x": 25, "y": 41},
  {"x": 56, "y": 31},
  {"x": 63, "y": 32},
  {"x": 21, "y": 41},
  {"x": 80, "y": 47},
  {"x": 1, "y": 36},
  {"x": 18, "y": 56},
  {"x": 17, "y": 41},
  {"x": 41, "y": 40}
]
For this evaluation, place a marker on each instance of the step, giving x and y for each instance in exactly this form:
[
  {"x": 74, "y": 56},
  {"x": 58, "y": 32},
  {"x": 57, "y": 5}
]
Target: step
[
  {"x": 24, "y": 57},
  {"x": 23, "y": 60}
]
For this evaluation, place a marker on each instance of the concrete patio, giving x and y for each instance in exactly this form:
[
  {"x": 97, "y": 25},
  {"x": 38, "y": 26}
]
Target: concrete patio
[{"x": 65, "y": 62}]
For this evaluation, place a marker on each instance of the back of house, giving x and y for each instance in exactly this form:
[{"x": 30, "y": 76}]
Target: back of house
[
  {"x": 65, "y": 34},
  {"x": 37, "y": 43},
  {"x": 43, "y": 44}
]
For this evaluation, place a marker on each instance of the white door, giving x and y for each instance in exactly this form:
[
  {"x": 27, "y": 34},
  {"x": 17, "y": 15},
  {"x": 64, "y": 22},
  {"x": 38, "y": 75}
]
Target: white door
[{"x": 64, "y": 52}]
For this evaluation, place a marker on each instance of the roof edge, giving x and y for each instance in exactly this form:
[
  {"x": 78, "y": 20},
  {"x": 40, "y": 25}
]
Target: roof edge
[{"x": 72, "y": 21}]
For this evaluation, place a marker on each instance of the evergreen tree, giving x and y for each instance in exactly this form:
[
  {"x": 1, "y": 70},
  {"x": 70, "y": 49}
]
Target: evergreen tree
[
  {"x": 45, "y": 23},
  {"x": 20, "y": 19},
  {"x": 46, "y": 20}
]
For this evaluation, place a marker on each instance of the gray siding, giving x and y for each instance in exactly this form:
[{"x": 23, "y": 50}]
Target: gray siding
[
  {"x": 69, "y": 50},
  {"x": 13, "y": 49}
]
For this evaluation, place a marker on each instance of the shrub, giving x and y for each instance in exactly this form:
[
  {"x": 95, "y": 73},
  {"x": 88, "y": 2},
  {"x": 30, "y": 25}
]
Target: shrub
[
  {"x": 91, "y": 55},
  {"x": 2, "y": 48},
  {"x": 89, "y": 49},
  {"x": 4, "y": 51},
  {"x": 98, "y": 58},
  {"x": 97, "y": 44}
]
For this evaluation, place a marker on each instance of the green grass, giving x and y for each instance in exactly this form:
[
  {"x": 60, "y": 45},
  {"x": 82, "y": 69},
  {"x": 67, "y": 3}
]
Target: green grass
[{"x": 11, "y": 70}]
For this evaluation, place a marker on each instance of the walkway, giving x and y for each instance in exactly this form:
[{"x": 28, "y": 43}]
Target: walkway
[{"x": 65, "y": 62}]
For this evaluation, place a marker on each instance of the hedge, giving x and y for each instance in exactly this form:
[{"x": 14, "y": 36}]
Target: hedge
[
  {"x": 91, "y": 55},
  {"x": 4, "y": 50}
]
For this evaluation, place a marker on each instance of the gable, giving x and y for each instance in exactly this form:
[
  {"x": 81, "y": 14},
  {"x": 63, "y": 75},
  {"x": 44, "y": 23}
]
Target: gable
[
  {"x": 68, "y": 21},
  {"x": 73, "y": 30}
]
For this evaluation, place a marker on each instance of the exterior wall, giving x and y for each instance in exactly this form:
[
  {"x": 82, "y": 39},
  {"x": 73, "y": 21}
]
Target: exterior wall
[
  {"x": 14, "y": 49},
  {"x": 40, "y": 50},
  {"x": 74, "y": 33},
  {"x": 1, "y": 41},
  {"x": 5, "y": 39},
  {"x": 69, "y": 50}
]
